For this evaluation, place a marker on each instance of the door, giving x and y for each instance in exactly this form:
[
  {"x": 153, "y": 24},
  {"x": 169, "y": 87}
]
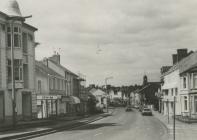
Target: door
[
  {"x": 1, "y": 106},
  {"x": 26, "y": 105}
]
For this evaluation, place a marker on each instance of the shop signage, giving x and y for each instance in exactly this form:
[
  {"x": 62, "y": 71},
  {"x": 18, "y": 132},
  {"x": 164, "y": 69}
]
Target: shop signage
[{"x": 46, "y": 97}]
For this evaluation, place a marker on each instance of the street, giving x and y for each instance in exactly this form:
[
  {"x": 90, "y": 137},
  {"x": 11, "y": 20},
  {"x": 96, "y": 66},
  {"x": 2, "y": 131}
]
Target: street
[{"x": 120, "y": 126}]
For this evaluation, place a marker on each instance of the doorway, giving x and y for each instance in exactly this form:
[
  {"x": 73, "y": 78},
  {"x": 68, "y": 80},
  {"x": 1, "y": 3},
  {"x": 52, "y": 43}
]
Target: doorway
[
  {"x": 26, "y": 105},
  {"x": 1, "y": 105}
]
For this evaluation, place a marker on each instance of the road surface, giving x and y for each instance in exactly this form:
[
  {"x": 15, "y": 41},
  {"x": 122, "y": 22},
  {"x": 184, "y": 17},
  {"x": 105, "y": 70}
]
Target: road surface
[{"x": 120, "y": 126}]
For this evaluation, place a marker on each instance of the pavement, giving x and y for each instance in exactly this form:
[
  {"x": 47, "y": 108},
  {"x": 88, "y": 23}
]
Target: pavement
[
  {"x": 23, "y": 132},
  {"x": 120, "y": 125},
  {"x": 183, "y": 131}
]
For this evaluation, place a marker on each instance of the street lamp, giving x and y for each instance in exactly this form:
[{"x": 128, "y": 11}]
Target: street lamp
[{"x": 106, "y": 79}]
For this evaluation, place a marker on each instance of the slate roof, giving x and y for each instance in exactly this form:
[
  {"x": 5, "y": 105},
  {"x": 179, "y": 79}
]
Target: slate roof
[
  {"x": 59, "y": 65},
  {"x": 40, "y": 66},
  {"x": 185, "y": 64}
]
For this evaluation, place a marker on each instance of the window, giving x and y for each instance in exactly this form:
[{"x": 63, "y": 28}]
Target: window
[
  {"x": 8, "y": 36},
  {"x": 166, "y": 92},
  {"x": 185, "y": 102},
  {"x": 176, "y": 91},
  {"x": 18, "y": 70},
  {"x": 50, "y": 83},
  {"x": 184, "y": 82},
  {"x": 172, "y": 92},
  {"x": 30, "y": 37},
  {"x": 195, "y": 103},
  {"x": 195, "y": 81},
  {"x": 39, "y": 86},
  {"x": 53, "y": 83},
  {"x": 16, "y": 37},
  {"x": 24, "y": 39}
]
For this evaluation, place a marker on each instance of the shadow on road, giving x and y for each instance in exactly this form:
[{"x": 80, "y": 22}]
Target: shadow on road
[{"x": 95, "y": 126}]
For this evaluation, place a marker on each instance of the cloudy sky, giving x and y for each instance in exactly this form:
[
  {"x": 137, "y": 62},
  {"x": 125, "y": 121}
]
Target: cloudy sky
[{"x": 119, "y": 38}]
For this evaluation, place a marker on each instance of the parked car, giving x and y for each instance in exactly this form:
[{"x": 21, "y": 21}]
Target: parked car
[
  {"x": 136, "y": 106},
  {"x": 128, "y": 108},
  {"x": 147, "y": 111}
]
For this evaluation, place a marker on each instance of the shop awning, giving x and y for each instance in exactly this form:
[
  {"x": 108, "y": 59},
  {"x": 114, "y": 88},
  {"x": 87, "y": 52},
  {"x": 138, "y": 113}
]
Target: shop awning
[{"x": 74, "y": 100}]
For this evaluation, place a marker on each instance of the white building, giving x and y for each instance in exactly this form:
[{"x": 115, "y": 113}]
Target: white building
[
  {"x": 101, "y": 98},
  {"x": 115, "y": 94},
  {"x": 178, "y": 83}
]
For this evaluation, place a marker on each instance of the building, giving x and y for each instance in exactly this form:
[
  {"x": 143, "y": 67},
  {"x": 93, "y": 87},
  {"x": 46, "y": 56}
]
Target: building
[
  {"x": 101, "y": 98},
  {"x": 50, "y": 87},
  {"x": 72, "y": 84},
  {"x": 175, "y": 83},
  {"x": 188, "y": 86},
  {"x": 135, "y": 98},
  {"x": 17, "y": 41},
  {"x": 147, "y": 93}
]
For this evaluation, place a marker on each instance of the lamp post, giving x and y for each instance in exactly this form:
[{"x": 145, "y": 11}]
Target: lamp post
[{"x": 106, "y": 79}]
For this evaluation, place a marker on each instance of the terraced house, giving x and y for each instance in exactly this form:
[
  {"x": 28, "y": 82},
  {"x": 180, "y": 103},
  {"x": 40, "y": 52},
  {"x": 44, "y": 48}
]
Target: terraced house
[
  {"x": 71, "y": 97},
  {"x": 180, "y": 82},
  {"x": 17, "y": 64}
]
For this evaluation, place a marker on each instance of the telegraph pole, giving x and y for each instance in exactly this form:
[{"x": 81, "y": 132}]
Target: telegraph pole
[
  {"x": 174, "y": 118},
  {"x": 13, "y": 76},
  {"x": 106, "y": 90},
  {"x": 168, "y": 109}
]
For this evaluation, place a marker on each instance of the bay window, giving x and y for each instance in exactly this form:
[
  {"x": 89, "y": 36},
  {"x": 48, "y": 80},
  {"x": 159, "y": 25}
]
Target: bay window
[
  {"x": 16, "y": 37},
  {"x": 18, "y": 70}
]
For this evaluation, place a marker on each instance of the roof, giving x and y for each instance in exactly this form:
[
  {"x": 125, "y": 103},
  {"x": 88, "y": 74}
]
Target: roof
[
  {"x": 144, "y": 88},
  {"x": 97, "y": 92},
  {"x": 185, "y": 64},
  {"x": 47, "y": 70},
  {"x": 148, "y": 85},
  {"x": 10, "y": 8},
  {"x": 59, "y": 65}
]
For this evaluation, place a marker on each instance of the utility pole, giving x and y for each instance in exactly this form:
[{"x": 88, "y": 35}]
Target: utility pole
[
  {"x": 107, "y": 78},
  {"x": 168, "y": 110},
  {"x": 174, "y": 118},
  {"x": 13, "y": 76},
  {"x": 11, "y": 26}
]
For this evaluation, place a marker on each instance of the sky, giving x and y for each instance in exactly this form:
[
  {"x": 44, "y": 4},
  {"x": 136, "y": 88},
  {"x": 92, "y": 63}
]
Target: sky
[{"x": 121, "y": 38}]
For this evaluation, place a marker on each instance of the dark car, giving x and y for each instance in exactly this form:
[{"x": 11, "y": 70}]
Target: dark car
[
  {"x": 128, "y": 108},
  {"x": 147, "y": 111}
]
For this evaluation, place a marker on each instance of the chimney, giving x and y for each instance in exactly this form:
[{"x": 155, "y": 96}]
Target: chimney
[
  {"x": 174, "y": 59},
  {"x": 181, "y": 53},
  {"x": 55, "y": 58}
]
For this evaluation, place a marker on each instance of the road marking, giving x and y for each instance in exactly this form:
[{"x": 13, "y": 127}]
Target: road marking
[{"x": 98, "y": 134}]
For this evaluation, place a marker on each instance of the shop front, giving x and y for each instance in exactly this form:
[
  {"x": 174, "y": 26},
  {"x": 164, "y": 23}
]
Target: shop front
[{"x": 47, "y": 106}]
